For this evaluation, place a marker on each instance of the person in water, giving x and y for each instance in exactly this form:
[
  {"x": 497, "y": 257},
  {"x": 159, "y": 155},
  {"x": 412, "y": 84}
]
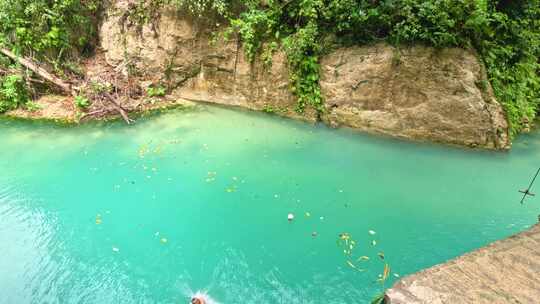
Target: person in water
[{"x": 197, "y": 300}]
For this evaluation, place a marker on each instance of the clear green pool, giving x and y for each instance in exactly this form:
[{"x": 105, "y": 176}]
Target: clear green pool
[{"x": 198, "y": 200}]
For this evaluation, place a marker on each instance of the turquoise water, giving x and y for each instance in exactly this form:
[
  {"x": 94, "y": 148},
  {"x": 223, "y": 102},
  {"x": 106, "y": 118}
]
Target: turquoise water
[{"x": 199, "y": 199}]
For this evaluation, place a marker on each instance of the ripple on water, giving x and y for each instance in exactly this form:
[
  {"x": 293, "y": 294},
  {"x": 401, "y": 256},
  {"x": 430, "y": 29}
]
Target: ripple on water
[{"x": 217, "y": 186}]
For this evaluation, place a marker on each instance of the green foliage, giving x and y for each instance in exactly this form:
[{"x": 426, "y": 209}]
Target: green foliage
[
  {"x": 100, "y": 87},
  {"x": 510, "y": 46},
  {"x": 81, "y": 102},
  {"x": 156, "y": 91},
  {"x": 200, "y": 8},
  {"x": 302, "y": 49},
  {"x": 378, "y": 299},
  {"x": 144, "y": 11},
  {"x": 299, "y": 40},
  {"x": 268, "y": 109},
  {"x": 13, "y": 92},
  {"x": 32, "y": 106},
  {"x": 505, "y": 33},
  {"x": 49, "y": 32},
  {"x": 47, "y": 28}
]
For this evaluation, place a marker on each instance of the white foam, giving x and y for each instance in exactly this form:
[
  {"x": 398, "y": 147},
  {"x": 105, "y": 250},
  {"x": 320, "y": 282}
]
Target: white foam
[
  {"x": 201, "y": 294},
  {"x": 205, "y": 297}
]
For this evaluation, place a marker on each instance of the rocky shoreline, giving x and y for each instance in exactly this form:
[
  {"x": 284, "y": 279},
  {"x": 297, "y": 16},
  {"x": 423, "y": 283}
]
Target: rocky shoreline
[
  {"x": 412, "y": 92},
  {"x": 415, "y": 93}
]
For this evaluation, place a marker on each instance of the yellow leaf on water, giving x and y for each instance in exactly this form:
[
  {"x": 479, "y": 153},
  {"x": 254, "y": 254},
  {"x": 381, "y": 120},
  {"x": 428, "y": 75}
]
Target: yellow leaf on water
[
  {"x": 386, "y": 272},
  {"x": 351, "y": 264},
  {"x": 163, "y": 240},
  {"x": 363, "y": 258},
  {"x": 344, "y": 236}
]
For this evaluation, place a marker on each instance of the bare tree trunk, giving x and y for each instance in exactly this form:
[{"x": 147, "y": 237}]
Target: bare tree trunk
[
  {"x": 118, "y": 108},
  {"x": 64, "y": 86}
]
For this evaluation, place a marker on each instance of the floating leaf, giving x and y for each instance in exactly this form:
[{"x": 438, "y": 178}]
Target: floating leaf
[
  {"x": 374, "y": 243},
  {"x": 363, "y": 258},
  {"x": 163, "y": 240},
  {"x": 354, "y": 266},
  {"x": 344, "y": 236},
  {"x": 372, "y": 232},
  {"x": 386, "y": 272},
  {"x": 381, "y": 255}
]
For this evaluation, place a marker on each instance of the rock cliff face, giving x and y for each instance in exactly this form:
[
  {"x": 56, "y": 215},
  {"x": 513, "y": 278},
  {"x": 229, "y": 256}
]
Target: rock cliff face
[{"x": 413, "y": 92}]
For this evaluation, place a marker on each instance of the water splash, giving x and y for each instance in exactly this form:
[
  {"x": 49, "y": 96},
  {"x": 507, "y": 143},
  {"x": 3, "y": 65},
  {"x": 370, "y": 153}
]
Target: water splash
[
  {"x": 200, "y": 294},
  {"x": 204, "y": 296}
]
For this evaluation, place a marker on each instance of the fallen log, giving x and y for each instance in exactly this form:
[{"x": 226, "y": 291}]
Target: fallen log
[
  {"x": 118, "y": 108},
  {"x": 64, "y": 86},
  {"x": 101, "y": 111}
]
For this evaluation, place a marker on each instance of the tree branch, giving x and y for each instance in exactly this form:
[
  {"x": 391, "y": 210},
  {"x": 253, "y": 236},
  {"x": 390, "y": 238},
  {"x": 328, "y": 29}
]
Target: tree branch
[{"x": 64, "y": 86}]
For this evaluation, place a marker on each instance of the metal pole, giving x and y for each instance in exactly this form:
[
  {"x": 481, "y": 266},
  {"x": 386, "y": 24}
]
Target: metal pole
[{"x": 527, "y": 191}]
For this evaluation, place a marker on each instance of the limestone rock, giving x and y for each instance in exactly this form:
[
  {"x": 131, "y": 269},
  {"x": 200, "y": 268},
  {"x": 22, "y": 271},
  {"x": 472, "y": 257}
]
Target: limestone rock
[{"x": 417, "y": 93}]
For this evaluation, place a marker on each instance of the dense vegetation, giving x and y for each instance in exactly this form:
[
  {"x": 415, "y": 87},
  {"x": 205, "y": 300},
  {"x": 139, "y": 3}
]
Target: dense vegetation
[
  {"x": 505, "y": 33},
  {"x": 52, "y": 32}
]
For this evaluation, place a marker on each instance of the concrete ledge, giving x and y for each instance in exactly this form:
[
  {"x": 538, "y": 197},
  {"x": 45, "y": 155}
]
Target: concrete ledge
[{"x": 506, "y": 271}]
